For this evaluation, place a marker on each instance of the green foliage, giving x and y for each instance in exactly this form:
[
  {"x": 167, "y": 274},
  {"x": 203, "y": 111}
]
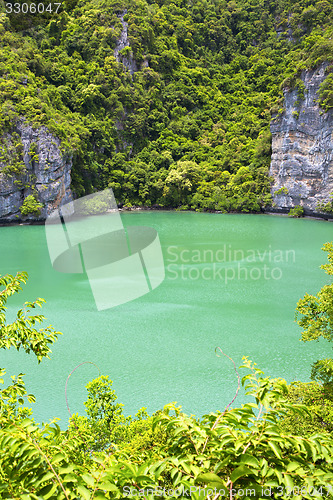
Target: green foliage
[
  {"x": 282, "y": 190},
  {"x": 106, "y": 455},
  {"x": 182, "y": 178},
  {"x": 322, "y": 371},
  {"x": 11, "y": 157},
  {"x": 31, "y": 206},
  {"x": 21, "y": 334},
  {"x": 239, "y": 448},
  {"x": 208, "y": 76},
  {"x": 319, "y": 403},
  {"x": 326, "y": 207},
  {"x": 297, "y": 211},
  {"x": 106, "y": 430},
  {"x": 94, "y": 206},
  {"x": 326, "y": 93},
  {"x": 33, "y": 152},
  {"x": 314, "y": 314},
  {"x": 103, "y": 424}
]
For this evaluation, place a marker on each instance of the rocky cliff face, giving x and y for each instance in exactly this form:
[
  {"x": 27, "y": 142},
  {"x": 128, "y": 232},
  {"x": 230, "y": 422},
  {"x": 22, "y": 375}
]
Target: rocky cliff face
[
  {"x": 32, "y": 162},
  {"x": 302, "y": 148},
  {"x": 127, "y": 59}
]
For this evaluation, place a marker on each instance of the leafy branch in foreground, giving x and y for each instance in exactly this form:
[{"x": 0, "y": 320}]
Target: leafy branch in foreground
[
  {"x": 234, "y": 454},
  {"x": 21, "y": 334},
  {"x": 319, "y": 402},
  {"x": 314, "y": 313},
  {"x": 245, "y": 450}
]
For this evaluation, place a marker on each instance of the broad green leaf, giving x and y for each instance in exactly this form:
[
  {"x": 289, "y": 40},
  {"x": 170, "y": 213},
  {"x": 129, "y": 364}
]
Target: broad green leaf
[
  {"x": 67, "y": 469},
  {"x": 278, "y": 474},
  {"x": 275, "y": 448},
  {"x": 57, "y": 458},
  {"x": 108, "y": 487},
  {"x": 241, "y": 471},
  {"x": 288, "y": 481},
  {"x": 249, "y": 460},
  {"x": 84, "y": 492},
  {"x": 47, "y": 491},
  {"x": 208, "y": 478},
  {"x": 292, "y": 466},
  {"x": 69, "y": 478},
  {"x": 141, "y": 478},
  {"x": 195, "y": 470},
  {"x": 88, "y": 479}
]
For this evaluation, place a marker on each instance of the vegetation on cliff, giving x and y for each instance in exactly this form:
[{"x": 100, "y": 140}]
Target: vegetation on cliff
[{"x": 190, "y": 128}]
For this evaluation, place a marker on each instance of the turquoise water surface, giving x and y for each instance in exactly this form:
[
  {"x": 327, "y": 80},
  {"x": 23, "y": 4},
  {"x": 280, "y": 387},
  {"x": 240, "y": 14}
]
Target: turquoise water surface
[{"x": 231, "y": 281}]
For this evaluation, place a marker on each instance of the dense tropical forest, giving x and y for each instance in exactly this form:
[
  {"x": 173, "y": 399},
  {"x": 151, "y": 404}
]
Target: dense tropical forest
[
  {"x": 279, "y": 444},
  {"x": 188, "y": 126}
]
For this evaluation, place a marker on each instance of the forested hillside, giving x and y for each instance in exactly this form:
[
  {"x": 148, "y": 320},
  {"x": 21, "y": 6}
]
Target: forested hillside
[{"x": 190, "y": 127}]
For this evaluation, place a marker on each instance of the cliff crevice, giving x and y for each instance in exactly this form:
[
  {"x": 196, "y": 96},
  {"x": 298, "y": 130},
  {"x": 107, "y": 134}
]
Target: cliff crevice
[{"x": 123, "y": 43}]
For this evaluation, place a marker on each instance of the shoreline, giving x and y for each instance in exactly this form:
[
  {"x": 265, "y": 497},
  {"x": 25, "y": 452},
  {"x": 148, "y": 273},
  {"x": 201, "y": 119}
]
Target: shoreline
[{"x": 269, "y": 211}]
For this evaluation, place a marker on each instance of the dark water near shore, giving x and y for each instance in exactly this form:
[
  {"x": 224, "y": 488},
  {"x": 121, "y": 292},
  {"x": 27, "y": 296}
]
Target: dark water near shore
[{"x": 231, "y": 281}]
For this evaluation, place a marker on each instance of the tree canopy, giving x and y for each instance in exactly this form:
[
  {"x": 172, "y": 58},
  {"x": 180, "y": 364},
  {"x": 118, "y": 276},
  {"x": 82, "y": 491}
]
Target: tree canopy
[{"x": 210, "y": 75}]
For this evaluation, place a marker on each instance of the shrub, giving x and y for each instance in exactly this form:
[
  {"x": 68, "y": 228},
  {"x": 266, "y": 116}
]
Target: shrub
[
  {"x": 95, "y": 206},
  {"x": 297, "y": 211},
  {"x": 282, "y": 190},
  {"x": 326, "y": 93},
  {"x": 326, "y": 207},
  {"x": 31, "y": 206},
  {"x": 318, "y": 402}
]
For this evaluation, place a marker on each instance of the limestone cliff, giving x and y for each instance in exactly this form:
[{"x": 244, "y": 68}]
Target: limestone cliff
[
  {"x": 32, "y": 162},
  {"x": 123, "y": 43},
  {"x": 302, "y": 148}
]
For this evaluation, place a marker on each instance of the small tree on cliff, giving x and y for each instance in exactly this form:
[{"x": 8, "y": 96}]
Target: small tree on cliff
[{"x": 31, "y": 206}]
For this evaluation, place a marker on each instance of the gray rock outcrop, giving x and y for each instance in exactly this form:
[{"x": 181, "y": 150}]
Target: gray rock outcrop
[
  {"x": 32, "y": 163},
  {"x": 302, "y": 148},
  {"x": 127, "y": 60}
]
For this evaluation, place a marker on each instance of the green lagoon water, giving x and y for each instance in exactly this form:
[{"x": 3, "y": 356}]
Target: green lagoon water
[{"x": 231, "y": 281}]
